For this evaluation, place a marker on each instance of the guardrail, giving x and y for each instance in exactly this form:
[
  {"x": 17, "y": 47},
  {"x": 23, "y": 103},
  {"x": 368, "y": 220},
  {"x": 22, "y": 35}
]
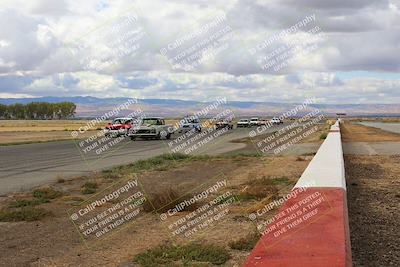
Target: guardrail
[{"x": 311, "y": 228}]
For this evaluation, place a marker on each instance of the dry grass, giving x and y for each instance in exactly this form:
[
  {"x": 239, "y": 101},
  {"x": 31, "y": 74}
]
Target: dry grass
[
  {"x": 23, "y": 214},
  {"x": 246, "y": 243},
  {"x": 57, "y": 241},
  {"x": 41, "y": 125},
  {"x": 360, "y": 133},
  {"x": 170, "y": 255},
  {"x": 21, "y": 137},
  {"x": 36, "y": 131},
  {"x": 376, "y": 119}
]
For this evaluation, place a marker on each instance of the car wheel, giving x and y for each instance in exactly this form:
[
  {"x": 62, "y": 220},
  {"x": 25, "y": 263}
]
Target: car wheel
[
  {"x": 168, "y": 136},
  {"x": 133, "y": 138}
]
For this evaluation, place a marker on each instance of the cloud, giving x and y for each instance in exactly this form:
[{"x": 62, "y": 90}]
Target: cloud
[{"x": 111, "y": 48}]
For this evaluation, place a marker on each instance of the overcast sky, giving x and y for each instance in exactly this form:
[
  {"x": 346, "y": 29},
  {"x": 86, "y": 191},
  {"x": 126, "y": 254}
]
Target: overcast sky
[{"x": 340, "y": 51}]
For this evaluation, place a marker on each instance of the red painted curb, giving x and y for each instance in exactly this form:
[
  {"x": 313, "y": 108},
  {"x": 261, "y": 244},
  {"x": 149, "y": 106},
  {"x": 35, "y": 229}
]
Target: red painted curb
[{"x": 318, "y": 236}]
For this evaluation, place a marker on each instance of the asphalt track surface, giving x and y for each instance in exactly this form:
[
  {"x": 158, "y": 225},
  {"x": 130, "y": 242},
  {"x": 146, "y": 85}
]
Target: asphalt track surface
[{"x": 23, "y": 167}]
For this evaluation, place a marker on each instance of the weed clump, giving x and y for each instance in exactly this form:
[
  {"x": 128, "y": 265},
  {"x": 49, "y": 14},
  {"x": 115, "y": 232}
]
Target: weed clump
[
  {"x": 89, "y": 188},
  {"x": 191, "y": 253},
  {"x": 45, "y": 194},
  {"x": 246, "y": 243},
  {"x": 165, "y": 200},
  {"x": 23, "y": 214}
]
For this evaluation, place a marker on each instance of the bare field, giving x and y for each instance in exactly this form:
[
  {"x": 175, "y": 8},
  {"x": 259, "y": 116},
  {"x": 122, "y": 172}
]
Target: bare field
[
  {"x": 373, "y": 197},
  {"x": 13, "y": 138},
  {"x": 374, "y": 211},
  {"x": 376, "y": 119},
  {"x": 41, "y": 125},
  {"x": 53, "y": 241},
  {"x": 360, "y": 133},
  {"x": 36, "y": 131}
]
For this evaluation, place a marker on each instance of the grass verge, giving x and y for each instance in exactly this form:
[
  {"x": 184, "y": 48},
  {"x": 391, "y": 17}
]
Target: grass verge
[{"x": 177, "y": 255}]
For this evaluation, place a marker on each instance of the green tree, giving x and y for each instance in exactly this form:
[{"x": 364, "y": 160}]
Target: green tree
[
  {"x": 3, "y": 111},
  {"x": 38, "y": 110}
]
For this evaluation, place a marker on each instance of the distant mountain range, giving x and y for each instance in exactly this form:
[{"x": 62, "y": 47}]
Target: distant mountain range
[{"x": 88, "y": 106}]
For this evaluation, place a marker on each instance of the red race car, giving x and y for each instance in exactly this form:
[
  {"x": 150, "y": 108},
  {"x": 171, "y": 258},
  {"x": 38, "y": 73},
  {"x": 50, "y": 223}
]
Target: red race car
[{"x": 118, "y": 127}]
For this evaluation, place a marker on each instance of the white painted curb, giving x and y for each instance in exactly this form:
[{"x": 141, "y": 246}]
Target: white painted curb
[{"x": 327, "y": 167}]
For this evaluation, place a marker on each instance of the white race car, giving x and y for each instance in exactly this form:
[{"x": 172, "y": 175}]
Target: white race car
[{"x": 243, "y": 123}]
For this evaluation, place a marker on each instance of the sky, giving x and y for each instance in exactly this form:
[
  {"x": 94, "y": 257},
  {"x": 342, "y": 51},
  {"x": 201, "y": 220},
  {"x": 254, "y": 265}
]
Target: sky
[{"x": 338, "y": 51}]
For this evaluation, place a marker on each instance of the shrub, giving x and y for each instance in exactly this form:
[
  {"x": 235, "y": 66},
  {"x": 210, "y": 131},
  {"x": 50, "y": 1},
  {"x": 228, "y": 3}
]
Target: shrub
[
  {"x": 46, "y": 193},
  {"x": 160, "y": 162},
  {"x": 26, "y": 203},
  {"x": 89, "y": 188},
  {"x": 23, "y": 214},
  {"x": 323, "y": 136},
  {"x": 246, "y": 243},
  {"x": 167, "y": 199},
  {"x": 191, "y": 253}
]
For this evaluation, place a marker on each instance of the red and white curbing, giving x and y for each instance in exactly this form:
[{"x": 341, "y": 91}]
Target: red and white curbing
[{"x": 311, "y": 228}]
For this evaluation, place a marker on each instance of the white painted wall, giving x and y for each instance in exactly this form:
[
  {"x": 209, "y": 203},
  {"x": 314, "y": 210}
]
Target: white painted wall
[{"x": 327, "y": 167}]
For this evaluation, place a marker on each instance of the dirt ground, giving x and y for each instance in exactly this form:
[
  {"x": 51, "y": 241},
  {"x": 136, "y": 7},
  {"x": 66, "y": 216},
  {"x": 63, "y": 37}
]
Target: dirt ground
[
  {"x": 40, "y": 125},
  {"x": 377, "y": 119},
  {"x": 12, "y": 138},
  {"x": 53, "y": 241},
  {"x": 373, "y": 184},
  {"x": 34, "y": 131},
  {"x": 374, "y": 210},
  {"x": 360, "y": 133}
]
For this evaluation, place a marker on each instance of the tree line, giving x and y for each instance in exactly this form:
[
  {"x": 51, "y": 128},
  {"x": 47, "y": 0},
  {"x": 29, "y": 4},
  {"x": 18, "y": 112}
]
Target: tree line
[{"x": 38, "y": 111}]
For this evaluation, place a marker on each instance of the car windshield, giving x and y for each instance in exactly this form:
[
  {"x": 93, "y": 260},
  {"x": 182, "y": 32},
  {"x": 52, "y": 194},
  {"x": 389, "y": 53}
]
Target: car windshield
[
  {"x": 254, "y": 119},
  {"x": 244, "y": 120},
  {"x": 189, "y": 120},
  {"x": 118, "y": 121},
  {"x": 151, "y": 121}
]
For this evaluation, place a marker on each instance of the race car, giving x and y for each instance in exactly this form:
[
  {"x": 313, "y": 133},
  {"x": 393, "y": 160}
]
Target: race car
[
  {"x": 242, "y": 123},
  {"x": 118, "y": 127},
  {"x": 224, "y": 124},
  {"x": 189, "y": 123},
  {"x": 151, "y": 128}
]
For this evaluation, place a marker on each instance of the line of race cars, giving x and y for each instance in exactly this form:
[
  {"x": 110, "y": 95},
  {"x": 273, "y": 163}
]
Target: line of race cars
[{"x": 156, "y": 128}]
